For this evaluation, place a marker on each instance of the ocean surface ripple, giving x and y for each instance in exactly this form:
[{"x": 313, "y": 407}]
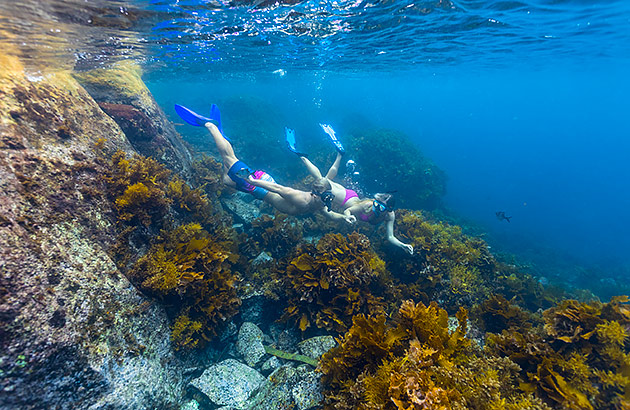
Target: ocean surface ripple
[{"x": 353, "y": 35}]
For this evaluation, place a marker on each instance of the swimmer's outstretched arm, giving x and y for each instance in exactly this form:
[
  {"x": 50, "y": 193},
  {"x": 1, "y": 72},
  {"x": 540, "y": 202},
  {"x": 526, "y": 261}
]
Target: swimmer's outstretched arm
[
  {"x": 391, "y": 216},
  {"x": 336, "y": 216}
]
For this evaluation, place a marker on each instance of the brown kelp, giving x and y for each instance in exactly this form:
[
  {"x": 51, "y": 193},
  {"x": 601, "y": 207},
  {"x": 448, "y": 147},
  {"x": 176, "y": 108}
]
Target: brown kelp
[
  {"x": 189, "y": 270},
  {"x": 417, "y": 361},
  {"x": 330, "y": 282}
]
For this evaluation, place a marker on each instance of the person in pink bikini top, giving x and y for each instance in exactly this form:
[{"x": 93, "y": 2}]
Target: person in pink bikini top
[{"x": 373, "y": 211}]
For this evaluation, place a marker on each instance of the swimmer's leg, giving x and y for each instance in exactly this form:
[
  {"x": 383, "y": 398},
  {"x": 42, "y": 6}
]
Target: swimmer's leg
[
  {"x": 334, "y": 168},
  {"x": 225, "y": 148},
  {"x": 312, "y": 169},
  {"x": 288, "y": 194}
]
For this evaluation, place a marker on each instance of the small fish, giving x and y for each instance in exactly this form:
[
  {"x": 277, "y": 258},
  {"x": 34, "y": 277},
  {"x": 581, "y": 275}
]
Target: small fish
[
  {"x": 280, "y": 72},
  {"x": 501, "y": 216}
]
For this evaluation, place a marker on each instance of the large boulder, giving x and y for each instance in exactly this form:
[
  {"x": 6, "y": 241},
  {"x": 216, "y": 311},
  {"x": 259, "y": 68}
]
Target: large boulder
[
  {"x": 229, "y": 383},
  {"x": 74, "y": 333}
]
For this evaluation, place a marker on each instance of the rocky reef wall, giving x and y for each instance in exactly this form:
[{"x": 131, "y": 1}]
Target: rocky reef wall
[{"x": 74, "y": 333}]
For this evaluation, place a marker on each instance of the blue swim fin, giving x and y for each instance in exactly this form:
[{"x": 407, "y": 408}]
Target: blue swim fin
[
  {"x": 190, "y": 116},
  {"x": 197, "y": 120},
  {"x": 215, "y": 115},
  {"x": 331, "y": 133},
  {"x": 290, "y": 137}
]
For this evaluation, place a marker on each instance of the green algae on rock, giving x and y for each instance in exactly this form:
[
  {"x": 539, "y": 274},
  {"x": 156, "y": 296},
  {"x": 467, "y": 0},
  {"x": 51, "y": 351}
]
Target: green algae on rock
[{"x": 72, "y": 327}]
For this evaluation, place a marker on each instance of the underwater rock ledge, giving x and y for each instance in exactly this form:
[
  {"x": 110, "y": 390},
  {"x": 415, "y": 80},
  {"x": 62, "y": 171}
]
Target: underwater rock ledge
[{"x": 74, "y": 332}]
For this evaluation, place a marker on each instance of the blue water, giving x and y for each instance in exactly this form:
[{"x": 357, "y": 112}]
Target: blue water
[{"x": 523, "y": 104}]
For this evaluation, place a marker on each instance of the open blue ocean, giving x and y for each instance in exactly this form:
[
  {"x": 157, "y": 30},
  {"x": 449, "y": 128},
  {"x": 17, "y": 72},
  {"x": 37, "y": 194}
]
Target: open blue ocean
[
  {"x": 524, "y": 105},
  {"x": 134, "y": 276}
]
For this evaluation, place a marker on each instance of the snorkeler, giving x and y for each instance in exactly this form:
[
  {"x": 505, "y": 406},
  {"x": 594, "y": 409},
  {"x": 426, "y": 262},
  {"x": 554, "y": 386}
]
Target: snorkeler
[
  {"x": 256, "y": 182},
  {"x": 342, "y": 198},
  {"x": 373, "y": 211},
  {"x": 377, "y": 210}
]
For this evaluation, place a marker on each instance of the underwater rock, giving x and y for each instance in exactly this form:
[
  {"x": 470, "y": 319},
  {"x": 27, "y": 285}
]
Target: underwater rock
[
  {"x": 252, "y": 308},
  {"x": 134, "y": 123},
  {"x": 275, "y": 393},
  {"x": 262, "y": 259},
  {"x": 72, "y": 327},
  {"x": 286, "y": 388},
  {"x": 190, "y": 405},
  {"x": 121, "y": 93},
  {"x": 229, "y": 383},
  {"x": 270, "y": 364},
  {"x": 243, "y": 211},
  {"x": 249, "y": 344},
  {"x": 315, "y": 347},
  {"x": 307, "y": 393}
]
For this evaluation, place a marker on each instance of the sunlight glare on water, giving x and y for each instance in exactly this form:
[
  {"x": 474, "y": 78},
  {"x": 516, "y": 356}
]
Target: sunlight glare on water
[{"x": 237, "y": 36}]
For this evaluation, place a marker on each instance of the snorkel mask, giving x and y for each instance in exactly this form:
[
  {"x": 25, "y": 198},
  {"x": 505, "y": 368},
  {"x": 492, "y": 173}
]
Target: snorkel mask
[
  {"x": 383, "y": 203},
  {"x": 379, "y": 207}
]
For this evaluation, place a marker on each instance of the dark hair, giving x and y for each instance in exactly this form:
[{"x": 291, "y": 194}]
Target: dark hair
[{"x": 386, "y": 199}]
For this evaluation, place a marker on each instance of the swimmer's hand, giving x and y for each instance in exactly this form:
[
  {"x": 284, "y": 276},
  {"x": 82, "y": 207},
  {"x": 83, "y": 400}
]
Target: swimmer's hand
[
  {"x": 408, "y": 248},
  {"x": 350, "y": 218}
]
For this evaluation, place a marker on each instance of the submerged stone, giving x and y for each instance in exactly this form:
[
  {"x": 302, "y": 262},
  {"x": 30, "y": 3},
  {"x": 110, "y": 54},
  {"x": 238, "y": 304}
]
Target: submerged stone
[
  {"x": 229, "y": 383},
  {"x": 275, "y": 393},
  {"x": 242, "y": 210},
  {"x": 307, "y": 393},
  {"x": 315, "y": 347},
  {"x": 270, "y": 364},
  {"x": 249, "y": 344}
]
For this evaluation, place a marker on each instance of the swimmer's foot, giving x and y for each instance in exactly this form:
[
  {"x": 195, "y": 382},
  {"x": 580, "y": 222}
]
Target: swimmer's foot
[
  {"x": 333, "y": 138},
  {"x": 289, "y": 135}
]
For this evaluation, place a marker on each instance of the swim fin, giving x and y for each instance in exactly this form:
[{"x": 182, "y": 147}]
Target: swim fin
[
  {"x": 191, "y": 117},
  {"x": 197, "y": 120},
  {"x": 290, "y": 137},
  {"x": 331, "y": 133},
  {"x": 215, "y": 115}
]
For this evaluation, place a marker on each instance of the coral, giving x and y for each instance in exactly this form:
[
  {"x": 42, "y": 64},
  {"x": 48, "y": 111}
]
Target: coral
[
  {"x": 330, "y": 283},
  {"x": 189, "y": 270}
]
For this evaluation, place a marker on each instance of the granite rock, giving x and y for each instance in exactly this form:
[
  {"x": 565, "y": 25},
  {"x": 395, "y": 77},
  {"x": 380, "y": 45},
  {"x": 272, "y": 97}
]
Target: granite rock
[
  {"x": 249, "y": 344},
  {"x": 72, "y": 327},
  {"x": 229, "y": 383},
  {"x": 307, "y": 392},
  {"x": 242, "y": 207},
  {"x": 315, "y": 347}
]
